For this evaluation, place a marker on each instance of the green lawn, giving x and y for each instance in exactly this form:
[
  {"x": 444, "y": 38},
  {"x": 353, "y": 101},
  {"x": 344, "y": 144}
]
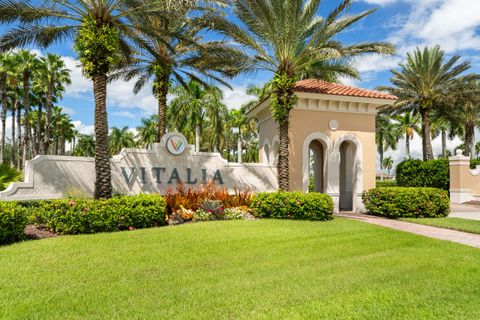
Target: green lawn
[
  {"x": 242, "y": 270},
  {"x": 472, "y": 226}
]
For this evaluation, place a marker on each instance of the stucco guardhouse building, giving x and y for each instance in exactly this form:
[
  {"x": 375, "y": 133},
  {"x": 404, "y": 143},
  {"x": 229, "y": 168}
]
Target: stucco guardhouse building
[{"x": 332, "y": 140}]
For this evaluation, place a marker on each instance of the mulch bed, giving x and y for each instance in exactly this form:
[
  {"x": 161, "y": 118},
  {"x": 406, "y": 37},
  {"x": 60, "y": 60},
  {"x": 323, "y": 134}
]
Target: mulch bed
[{"x": 37, "y": 232}]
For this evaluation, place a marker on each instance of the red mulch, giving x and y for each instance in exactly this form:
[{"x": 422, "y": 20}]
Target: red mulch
[{"x": 37, "y": 232}]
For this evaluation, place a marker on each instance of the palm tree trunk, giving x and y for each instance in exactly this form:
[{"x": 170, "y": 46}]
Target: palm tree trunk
[
  {"x": 38, "y": 135},
  {"x": 26, "y": 102},
  {"x": 162, "y": 87},
  {"x": 381, "y": 163},
  {"x": 283, "y": 156},
  {"x": 239, "y": 149},
  {"x": 14, "y": 142},
  {"x": 444, "y": 144},
  {"x": 103, "y": 179},
  {"x": 197, "y": 138},
  {"x": 3, "y": 84},
  {"x": 469, "y": 136},
  {"x": 19, "y": 136},
  {"x": 62, "y": 145},
  {"x": 407, "y": 145},
  {"x": 48, "y": 115},
  {"x": 426, "y": 137}
]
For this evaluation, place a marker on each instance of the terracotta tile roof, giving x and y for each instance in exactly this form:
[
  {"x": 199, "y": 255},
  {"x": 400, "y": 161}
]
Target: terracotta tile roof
[{"x": 324, "y": 87}]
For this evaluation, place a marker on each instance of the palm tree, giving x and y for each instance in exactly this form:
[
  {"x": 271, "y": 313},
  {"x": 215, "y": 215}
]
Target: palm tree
[
  {"x": 388, "y": 164},
  {"x": 424, "y": 83},
  {"x": 4, "y": 67},
  {"x": 85, "y": 146},
  {"x": 477, "y": 150},
  {"x": 100, "y": 29},
  {"x": 173, "y": 54},
  {"x": 121, "y": 138},
  {"x": 147, "y": 132},
  {"x": 27, "y": 64},
  {"x": 188, "y": 108},
  {"x": 288, "y": 39},
  {"x": 52, "y": 77},
  {"x": 387, "y": 135},
  {"x": 409, "y": 124}
]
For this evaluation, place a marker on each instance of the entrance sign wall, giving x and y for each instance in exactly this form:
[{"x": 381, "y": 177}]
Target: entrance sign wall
[{"x": 137, "y": 171}]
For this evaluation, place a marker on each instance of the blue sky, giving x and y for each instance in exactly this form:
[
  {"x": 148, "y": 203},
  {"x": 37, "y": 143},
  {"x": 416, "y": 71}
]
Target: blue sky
[{"x": 453, "y": 24}]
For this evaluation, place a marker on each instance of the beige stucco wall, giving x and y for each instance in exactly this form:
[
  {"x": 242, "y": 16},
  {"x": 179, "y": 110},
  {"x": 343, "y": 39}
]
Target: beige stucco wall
[
  {"x": 268, "y": 135},
  {"x": 306, "y": 122},
  {"x": 464, "y": 182}
]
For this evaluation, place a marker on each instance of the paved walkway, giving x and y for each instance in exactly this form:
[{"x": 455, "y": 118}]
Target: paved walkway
[
  {"x": 465, "y": 211},
  {"x": 468, "y": 239}
]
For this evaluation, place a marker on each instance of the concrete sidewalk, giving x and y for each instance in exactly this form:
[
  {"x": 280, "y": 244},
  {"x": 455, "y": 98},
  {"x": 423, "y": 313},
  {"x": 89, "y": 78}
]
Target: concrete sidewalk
[
  {"x": 465, "y": 238},
  {"x": 465, "y": 211}
]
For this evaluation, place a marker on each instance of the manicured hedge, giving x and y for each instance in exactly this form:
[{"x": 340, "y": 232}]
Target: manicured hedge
[
  {"x": 293, "y": 205},
  {"x": 386, "y": 184},
  {"x": 13, "y": 220},
  {"x": 92, "y": 216},
  {"x": 401, "y": 202},
  {"x": 418, "y": 173}
]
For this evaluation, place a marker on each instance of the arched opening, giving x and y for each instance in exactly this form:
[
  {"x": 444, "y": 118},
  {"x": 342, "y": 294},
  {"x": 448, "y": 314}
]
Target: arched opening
[
  {"x": 266, "y": 154},
  {"x": 348, "y": 156},
  {"x": 274, "y": 152},
  {"x": 317, "y": 158}
]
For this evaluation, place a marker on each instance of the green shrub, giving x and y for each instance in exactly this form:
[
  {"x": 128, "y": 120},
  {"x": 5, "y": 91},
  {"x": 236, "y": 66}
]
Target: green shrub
[
  {"x": 407, "y": 202},
  {"x": 418, "y": 173},
  {"x": 8, "y": 175},
  {"x": 293, "y": 205},
  {"x": 474, "y": 163},
  {"x": 91, "y": 216},
  {"x": 386, "y": 184},
  {"x": 13, "y": 220}
]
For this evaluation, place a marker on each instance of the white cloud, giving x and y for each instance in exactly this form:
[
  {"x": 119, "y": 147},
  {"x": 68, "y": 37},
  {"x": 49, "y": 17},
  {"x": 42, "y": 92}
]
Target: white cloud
[
  {"x": 235, "y": 98},
  {"x": 80, "y": 85},
  {"x": 125, "y": 114},
  {"x": 68, "y": 110},
  {"x": 83, "y": 128},
  {"x": 376, "y": 63},
  {"x": 449, "y": 23}
]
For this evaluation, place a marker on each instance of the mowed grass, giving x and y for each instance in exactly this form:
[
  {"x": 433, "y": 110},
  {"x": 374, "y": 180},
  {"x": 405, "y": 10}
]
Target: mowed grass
[
  {"x": 242, "y": 270},
  {"x": 472, "y": 226}
]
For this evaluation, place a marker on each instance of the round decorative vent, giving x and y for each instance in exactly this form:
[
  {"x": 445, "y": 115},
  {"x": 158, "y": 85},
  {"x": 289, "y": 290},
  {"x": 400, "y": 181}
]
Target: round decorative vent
[{"x": 333, "y": 125}]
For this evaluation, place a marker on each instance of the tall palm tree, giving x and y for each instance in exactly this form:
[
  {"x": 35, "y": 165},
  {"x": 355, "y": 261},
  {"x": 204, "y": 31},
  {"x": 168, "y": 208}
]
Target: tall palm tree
[
  {"x": 290, "y": 40},
  {"x": 100, "y": 29},
  {"x": 409, "y": 123},
  {"x": 52, "y": 77},
  {"x": 174, "y": 53},
  {"x": 188, "y": 108},
  {"x": 121, "y": 138},
  {"x": 424, "y": 82},
  {"x": 85, "y": 146},
  {"x": 6, "y": 66},
  {"x": 147, "y": 132},
  {"x": 387, "y": 135},
  {"x": 27, "y": 63},
  {"x": 388, "y": 164}
]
